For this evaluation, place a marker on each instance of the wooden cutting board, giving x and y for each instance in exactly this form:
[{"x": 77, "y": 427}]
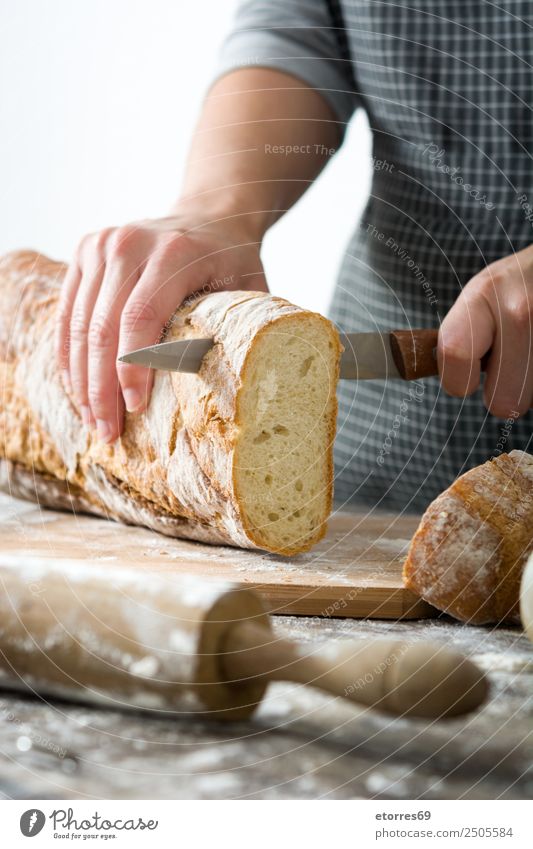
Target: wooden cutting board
[{"x": 355, "y": 571}]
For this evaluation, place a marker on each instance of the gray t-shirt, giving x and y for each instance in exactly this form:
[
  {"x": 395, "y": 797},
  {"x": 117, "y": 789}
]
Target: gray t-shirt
[{"x": 448, "y": 89}]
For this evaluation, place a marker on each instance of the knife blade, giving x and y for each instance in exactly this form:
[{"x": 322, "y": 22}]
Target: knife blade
[
  {"x": 184, "y": 355},
  {"x": 396, "y": 354}
]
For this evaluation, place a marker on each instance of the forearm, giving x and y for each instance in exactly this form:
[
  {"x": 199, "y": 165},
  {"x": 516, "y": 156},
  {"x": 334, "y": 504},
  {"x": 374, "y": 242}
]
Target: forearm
[{"x": 262, "y": 138}]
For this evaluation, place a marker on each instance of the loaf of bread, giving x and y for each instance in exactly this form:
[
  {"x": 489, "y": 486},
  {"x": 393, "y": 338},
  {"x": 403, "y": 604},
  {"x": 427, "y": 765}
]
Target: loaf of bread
[
  {"x": 240, "y": 453},
  {"x": 469, "y": 551}
]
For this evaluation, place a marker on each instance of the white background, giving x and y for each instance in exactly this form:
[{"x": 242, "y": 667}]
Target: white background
[{"x": 98, "y": 99}]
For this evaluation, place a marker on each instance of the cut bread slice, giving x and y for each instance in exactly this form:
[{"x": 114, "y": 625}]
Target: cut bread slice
[{"x": 286, "y": 415}]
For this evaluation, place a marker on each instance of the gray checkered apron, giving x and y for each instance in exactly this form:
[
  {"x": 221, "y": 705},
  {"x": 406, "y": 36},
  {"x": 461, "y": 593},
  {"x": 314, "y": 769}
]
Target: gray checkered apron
[{"x": 448, "y": 90}]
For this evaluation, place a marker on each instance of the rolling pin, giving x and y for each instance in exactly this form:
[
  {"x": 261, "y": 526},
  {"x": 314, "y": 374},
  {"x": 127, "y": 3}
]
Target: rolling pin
[{"x": 132, "y": 639}]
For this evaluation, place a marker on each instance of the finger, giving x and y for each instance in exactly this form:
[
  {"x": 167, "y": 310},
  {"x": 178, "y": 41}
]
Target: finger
[
  {"x": 105, "y": 397},
  {"x": 508, "y": 386},
  {"x": 158, "y": 293},
  {"x": 64, "y": 311},
  {"x": 93, "y": 267},
  {"x": 465, "y": 336}
]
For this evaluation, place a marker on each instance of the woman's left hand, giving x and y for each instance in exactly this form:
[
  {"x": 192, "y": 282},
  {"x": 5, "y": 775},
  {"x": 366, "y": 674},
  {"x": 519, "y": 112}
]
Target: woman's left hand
[{"x": 494, "y": 312}]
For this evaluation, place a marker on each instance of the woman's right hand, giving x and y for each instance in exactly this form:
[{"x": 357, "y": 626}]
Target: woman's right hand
[{"x": 121, "y": 289}]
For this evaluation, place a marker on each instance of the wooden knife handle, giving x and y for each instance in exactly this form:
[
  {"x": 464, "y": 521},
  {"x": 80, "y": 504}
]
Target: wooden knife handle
[{"x": 415, "y": 353}]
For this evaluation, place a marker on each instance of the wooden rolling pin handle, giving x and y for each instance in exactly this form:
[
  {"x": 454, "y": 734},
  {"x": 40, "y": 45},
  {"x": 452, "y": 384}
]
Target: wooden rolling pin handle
[
  {"x": 415, "y": 353},
  {"x": 399, "y": 678}
]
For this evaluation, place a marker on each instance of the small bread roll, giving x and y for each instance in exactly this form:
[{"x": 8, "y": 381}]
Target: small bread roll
[{"x": 469, "y": 552}]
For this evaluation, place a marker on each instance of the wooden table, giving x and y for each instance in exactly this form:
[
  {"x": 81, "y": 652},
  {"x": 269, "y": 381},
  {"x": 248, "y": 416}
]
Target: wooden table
[{"x": 301, "y": 744}]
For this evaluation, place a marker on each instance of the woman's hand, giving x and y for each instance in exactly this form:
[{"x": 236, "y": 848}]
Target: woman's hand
[
  {"x": 121, "y": 289},
  {"x": 124, "y": 284},
  {"x": 494, "y": 312}
]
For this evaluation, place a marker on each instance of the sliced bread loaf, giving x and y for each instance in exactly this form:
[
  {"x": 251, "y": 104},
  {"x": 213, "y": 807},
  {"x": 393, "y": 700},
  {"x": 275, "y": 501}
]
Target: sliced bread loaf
[{"x": 240, "y": 453}]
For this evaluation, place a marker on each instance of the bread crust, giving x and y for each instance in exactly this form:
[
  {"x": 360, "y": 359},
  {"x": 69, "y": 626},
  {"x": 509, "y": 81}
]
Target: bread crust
[
  {"x": 172, "y": 468},
  {"x": 472, "y": 543}
]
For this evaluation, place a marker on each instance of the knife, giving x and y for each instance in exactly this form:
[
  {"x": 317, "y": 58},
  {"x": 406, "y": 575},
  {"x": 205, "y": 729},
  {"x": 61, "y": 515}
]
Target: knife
[{"x": 399, "y": 354}]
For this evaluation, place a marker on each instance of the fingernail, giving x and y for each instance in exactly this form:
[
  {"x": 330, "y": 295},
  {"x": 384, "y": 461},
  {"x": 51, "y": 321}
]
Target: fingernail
[
  {"x": 133, "y": 400},
  {"x": 103, "y": 430},
  {"x": 86, "y": 416},
  {"x": 65, "y": 377}
]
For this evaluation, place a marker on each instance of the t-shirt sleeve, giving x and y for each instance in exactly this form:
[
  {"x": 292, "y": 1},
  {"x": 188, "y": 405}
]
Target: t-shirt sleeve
[{"x": 299, "y": 37}]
